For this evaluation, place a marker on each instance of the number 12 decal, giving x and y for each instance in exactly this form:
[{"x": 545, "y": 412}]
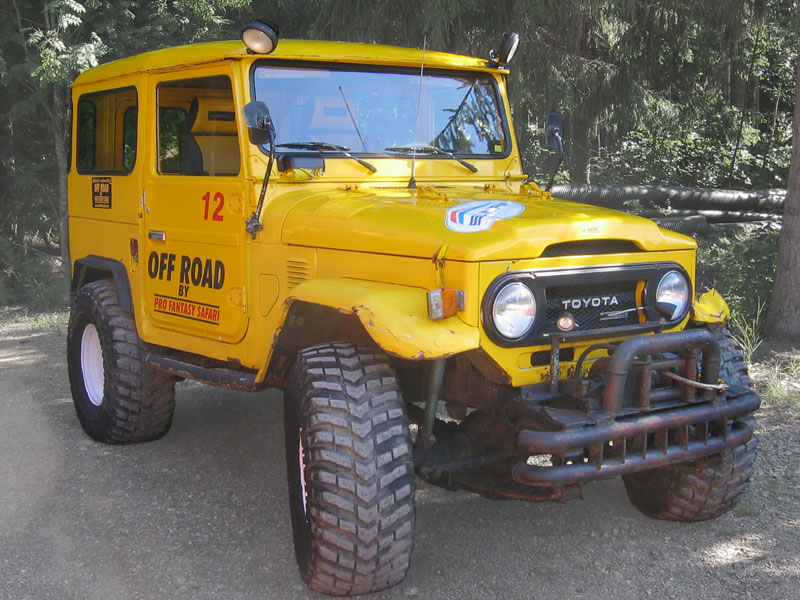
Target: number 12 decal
[{"x": 220, "y": 200}]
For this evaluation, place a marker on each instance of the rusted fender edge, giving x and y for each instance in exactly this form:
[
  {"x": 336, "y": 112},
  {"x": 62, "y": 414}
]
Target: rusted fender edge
[
  {"x": 394, "y": 316},
  {"x": 710, "y": 308}
]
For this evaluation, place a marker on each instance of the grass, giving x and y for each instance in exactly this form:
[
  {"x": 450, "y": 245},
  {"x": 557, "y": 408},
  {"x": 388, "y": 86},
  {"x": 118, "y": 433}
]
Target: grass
[
  {"x": 777, "y": 378},
  {"x": 53, "y": 319},
  {"x": 747, "y": 332},
  {"x": 17, "y": 314}
]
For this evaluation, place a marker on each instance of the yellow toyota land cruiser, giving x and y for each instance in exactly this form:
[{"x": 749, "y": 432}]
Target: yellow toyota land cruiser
[{"x": 351, "y": 224}]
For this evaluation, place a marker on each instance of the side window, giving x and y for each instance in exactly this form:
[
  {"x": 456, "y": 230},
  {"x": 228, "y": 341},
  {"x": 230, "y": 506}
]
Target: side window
[
  {"x": 170, "y": 124},
  {"x": 129, "y": 122},
  {"x": 197, "y": 127},
  {"x": 106, "y": 136},
  {"x": 87, "y": 127}
]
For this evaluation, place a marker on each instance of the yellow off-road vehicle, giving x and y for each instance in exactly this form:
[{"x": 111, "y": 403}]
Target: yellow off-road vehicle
[{"x": 350, "y": 223}]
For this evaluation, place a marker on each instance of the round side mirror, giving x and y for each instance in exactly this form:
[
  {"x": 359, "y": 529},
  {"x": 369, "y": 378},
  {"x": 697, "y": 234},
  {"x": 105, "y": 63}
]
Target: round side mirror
[{"x": 508, "y": 48}]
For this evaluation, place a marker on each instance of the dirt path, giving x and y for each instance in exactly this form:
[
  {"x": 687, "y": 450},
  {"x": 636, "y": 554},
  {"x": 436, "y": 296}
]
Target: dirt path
[{"x": 202, "y": 513}]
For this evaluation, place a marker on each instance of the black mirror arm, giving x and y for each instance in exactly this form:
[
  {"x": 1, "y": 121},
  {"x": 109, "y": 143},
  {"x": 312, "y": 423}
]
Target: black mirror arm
[
  {"x": 556, "y": 133},
  {"x": 253, "y": 224}
]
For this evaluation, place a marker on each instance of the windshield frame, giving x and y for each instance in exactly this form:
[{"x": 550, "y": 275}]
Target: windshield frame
[{"x": 503, "y": 114}]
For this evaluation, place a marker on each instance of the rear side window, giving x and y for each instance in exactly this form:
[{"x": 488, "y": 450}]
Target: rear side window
[{"x": 106, "y": 136}]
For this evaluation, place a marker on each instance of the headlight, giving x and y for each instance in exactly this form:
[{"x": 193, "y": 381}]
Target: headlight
[
  {"x": 672, "y": 295},
  {"x": 514, "y": 311}
]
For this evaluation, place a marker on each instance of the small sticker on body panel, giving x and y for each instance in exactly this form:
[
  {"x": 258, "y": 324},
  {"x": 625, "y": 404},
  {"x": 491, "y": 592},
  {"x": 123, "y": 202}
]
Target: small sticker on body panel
[
  {"x": 480, "y": 215},
  {"x": 101, "y": 192},
  {"x": 180, "y": 307}
]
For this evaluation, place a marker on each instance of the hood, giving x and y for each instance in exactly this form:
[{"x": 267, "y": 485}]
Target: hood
[{"x": 476, "y": 225}]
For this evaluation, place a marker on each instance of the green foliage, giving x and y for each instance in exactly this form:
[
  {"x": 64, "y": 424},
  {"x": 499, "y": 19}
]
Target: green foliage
[
  {"x": 29, "y": 278},
  {"x": 741, "y": 266}
]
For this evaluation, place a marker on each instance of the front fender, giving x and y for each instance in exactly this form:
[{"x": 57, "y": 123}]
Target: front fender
[
  {"x": 710, "y": 308},
  {"x": 394, "y": 316}
]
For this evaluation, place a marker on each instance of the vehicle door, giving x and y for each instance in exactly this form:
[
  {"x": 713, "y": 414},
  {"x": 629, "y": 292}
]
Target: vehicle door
[{"x": 194, "y": 220}]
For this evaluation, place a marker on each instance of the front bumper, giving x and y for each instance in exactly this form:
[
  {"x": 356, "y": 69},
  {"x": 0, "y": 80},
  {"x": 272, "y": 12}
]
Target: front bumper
[{"x": 635, "y": 427}]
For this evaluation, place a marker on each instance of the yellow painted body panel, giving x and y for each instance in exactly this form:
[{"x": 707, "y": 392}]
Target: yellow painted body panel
[
  {"x": 710, "y": 308},
  {"x": 359, "y": 242},
  {"x": 394, "y": 316},
  {"x": 305, "y": 50},
  {"x": 400, "y": 222}
]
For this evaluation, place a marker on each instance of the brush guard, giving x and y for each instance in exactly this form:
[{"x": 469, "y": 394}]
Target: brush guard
[{"x": 636, "y": 427}]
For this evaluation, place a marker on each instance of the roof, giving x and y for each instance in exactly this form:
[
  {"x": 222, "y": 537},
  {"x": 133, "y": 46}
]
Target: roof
[{"x": 305, "y": 50}]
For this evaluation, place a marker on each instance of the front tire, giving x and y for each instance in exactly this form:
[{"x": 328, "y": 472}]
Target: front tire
[
  {"x": 350, "y": 470},
  {"x": 692, "y": 493},
  {"x": 118, "y": 399}
]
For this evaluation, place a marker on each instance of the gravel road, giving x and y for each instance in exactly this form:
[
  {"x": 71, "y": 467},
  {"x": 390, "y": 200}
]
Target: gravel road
[{"x": 203, "y": 512}]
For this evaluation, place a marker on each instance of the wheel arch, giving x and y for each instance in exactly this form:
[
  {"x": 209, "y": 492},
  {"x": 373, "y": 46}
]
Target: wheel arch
[
  {"x": 391, "y": 317},
  {"x": 329, "y": 325},
  {"x": 93, "y": 268}
]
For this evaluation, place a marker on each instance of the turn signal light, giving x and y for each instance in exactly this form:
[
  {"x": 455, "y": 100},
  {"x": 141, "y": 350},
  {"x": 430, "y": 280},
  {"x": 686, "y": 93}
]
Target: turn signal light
[{"x": 444, "y": 303}]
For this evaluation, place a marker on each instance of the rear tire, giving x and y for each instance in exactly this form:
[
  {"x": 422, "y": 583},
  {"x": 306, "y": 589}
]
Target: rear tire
[
  {"x": 350, "y": 470},
  {"x": 118, "y": 399},
  {"x": 692, "y": 493}
]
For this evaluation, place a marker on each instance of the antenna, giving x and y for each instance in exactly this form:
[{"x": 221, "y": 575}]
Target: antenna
[{"x": 412, "y": 183}]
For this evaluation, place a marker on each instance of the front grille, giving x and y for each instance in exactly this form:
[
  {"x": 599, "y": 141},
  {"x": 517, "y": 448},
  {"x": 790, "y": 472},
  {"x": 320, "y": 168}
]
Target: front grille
[
  {"x": 614, "y": 298},
  {"x": 594, "y": 306}
]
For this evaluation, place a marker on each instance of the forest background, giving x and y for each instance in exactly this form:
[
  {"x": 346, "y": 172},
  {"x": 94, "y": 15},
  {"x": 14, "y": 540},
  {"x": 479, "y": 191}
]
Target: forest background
[{"x": 670, "y": 92}]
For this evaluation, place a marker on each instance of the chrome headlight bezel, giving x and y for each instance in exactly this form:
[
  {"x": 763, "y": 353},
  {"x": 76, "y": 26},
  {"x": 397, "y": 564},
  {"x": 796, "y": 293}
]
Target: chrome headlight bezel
[
  {"x": 673, "y": 295},
  {"x": 509, "y": 306}
]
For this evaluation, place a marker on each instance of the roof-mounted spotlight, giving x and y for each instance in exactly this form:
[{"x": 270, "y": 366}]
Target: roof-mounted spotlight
[
  {"x": 506, "y": 52},
  {"x": 260, "y": 37}
]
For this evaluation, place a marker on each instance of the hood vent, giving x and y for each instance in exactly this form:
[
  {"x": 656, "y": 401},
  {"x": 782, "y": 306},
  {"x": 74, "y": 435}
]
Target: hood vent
[
  {"x": 298, "y": 270},
  {"x": 590, "y": 247}
]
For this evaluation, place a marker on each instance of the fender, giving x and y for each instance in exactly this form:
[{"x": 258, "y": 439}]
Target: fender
[
  {"x": 91, "y": 268},
  {"x": 710, "y": 308},
  {"x": 394, "y": 316}
]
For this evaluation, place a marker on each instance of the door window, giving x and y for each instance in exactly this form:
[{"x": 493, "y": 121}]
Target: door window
[{"x": 197, "y": 127}]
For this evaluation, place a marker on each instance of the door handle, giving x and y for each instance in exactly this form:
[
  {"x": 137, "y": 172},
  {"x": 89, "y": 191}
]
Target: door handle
[{"x": 158, "y": 236}]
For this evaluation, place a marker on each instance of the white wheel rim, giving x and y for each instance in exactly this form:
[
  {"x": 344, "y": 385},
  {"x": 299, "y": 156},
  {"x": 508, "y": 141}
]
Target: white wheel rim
[
  {"x": 92, "y": 365},
  {"x": 302, "y": 469}
]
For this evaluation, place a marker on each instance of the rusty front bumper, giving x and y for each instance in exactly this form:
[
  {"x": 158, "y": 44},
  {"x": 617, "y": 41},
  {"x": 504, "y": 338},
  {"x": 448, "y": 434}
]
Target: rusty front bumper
[{"x": 706, "y": 421}]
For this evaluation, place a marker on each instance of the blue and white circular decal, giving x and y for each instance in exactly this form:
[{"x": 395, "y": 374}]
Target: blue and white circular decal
[{"x": 480, "y": 215}]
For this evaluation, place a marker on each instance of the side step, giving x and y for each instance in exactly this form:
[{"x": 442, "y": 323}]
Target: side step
[{"x": 227, "y": 378}]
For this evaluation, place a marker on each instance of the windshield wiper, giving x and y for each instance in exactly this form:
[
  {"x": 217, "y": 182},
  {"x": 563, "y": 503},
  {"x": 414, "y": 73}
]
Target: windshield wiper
[
  {"x": 326, "y": 147},
  {"x": 427, "y": 149}
]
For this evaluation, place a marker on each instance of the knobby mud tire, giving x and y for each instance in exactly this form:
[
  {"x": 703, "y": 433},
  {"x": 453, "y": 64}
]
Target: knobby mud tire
[
  {"x": 692, "y": 493},
  {"x": 352, "y": 496},
  {"x": 138, "y": 402}
]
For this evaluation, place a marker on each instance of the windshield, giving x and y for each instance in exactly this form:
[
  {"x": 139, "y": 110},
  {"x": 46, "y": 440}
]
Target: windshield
[{"x": 376, "y": 111}]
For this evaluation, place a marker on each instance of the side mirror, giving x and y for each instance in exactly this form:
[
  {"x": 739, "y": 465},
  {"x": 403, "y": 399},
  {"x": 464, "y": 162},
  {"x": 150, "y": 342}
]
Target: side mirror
[
  {"x": 260, "y": 127},
  {"x": 554, "y": 131},
  {"x": 508, "y": 48}
]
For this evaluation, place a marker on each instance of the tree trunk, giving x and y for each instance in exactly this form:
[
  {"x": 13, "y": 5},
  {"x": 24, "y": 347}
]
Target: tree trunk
[
  {"x": 784, "y": 309},
  {"x": 60, "y": 137},
  {"x": 579, "y": 151}
]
